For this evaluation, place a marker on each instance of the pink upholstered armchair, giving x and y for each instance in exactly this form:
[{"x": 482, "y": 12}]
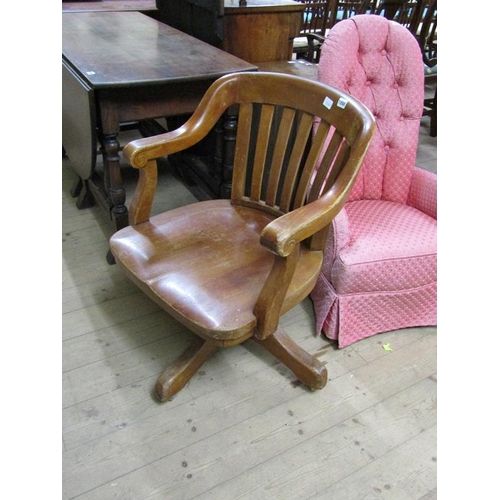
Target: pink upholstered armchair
[{"x": 380, "y": 267}]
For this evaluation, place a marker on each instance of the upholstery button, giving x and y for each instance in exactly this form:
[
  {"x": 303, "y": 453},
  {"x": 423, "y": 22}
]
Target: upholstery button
[
  {"x": 368, "y": 82},
  {"x": 384, "y": 52},
  {"x": 395, "y": 85}
]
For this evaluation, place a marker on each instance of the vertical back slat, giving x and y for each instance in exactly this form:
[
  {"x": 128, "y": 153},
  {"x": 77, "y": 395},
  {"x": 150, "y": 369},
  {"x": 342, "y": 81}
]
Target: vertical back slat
[
  {"x": 340, "y": 161},
  {"x": 241, "y": 151},
  {"x": 261, "y": 148},
  {"x": 303, "y": 133},
  {"x": 311, "y": 163},
  {"x": 325, "y": 166},
  {"x": 280, "y": 148}
]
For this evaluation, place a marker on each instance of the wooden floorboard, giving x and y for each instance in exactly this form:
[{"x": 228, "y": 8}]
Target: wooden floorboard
[{"x": 243, "y": 428}]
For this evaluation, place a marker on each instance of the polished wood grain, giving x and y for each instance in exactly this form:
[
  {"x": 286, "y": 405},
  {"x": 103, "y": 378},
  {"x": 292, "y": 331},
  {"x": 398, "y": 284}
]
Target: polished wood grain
[
  {"x": 261, "y": 30},
  {"x": 128, "y": 49},
  {"x": 297, "y": 67},
  {"x": 229, "y": 269},
  {"x": 177, "y": 375}
]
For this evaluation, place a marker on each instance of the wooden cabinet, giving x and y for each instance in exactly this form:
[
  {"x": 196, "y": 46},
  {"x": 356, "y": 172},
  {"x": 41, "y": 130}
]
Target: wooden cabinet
[{"x": 255, "y": 30}]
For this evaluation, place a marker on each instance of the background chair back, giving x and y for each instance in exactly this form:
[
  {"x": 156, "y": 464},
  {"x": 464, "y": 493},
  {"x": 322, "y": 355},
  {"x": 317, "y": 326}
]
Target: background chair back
[
  {"x": 405, "y": 12},
  {"x": 426, "y": 33},
  {"x": 318, "y": 16},
  {"x": 348, "y": 8}
]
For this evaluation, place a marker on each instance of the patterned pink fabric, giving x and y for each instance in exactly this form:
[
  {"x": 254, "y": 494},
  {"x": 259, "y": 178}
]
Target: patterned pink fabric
[
  {"x": 388, "y": 242},
  {"x": 380, "y": 265}
]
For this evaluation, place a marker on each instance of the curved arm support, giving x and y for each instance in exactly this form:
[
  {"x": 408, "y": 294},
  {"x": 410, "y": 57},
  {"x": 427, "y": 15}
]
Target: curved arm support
[
  {"x": 213, "y": 104},
  {"x": 282, "y": 234},
  {"x": 142, "y": 201},
  {"x": 267, "y": 309}
]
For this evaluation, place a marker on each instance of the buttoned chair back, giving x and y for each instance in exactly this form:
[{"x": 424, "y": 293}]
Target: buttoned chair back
[{"x": 381, "y": 65}]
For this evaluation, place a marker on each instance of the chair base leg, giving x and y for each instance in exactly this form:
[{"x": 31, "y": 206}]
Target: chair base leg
[
  {"x": 176, "y": 376},
  {"x": 307, "y": 368}
]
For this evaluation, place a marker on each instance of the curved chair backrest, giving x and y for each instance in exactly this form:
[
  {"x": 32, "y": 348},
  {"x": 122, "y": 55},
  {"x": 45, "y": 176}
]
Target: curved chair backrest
[
  {"x": 276, "y": 155},
  {"x": 380, "y": 62}
]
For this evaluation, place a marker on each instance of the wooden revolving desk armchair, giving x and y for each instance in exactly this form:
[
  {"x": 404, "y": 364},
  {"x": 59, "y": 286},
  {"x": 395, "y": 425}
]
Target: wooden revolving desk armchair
[{"x": 228, "y": 269}]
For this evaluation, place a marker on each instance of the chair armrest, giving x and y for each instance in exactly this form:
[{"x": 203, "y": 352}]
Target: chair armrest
[
  {"x": 314, "y": 37},
  {"x": 282, "y": 234},
  {"x": 423, "y": 192},
  {"x": 142, "y": 153},
  {"x": 282, "y": 237},
  {"x": 211, "y": 107}
]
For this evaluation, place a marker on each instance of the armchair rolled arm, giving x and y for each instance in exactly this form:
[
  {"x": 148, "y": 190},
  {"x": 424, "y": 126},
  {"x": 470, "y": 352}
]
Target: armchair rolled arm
[
  {"x": 281, "y": 235},
  {"x": 338, "y": 239},
  {"x": 423, "y": 192},
  {"x": 137, "y": 153}
]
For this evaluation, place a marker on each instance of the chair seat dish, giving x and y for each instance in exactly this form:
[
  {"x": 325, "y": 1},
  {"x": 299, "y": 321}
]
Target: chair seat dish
[{"x": 204, "y": 264}]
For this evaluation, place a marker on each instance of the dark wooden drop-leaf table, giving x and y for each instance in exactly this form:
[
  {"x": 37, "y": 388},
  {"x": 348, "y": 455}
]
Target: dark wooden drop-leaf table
[{"x": 120, "y": 67}]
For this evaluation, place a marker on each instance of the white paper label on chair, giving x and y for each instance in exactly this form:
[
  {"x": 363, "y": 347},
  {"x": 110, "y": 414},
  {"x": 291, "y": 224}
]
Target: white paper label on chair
[
  {"x": 342, "y": 103},
  {"x": 327, "y": 103}
]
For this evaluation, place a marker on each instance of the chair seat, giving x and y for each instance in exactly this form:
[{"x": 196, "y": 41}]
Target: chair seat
[
  {"x": 392, "y": 247},
  {"x": 176, "y": 259}
]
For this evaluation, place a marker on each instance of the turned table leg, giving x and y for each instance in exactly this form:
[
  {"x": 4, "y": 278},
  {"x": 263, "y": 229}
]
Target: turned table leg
[{"x": 113, "y": 182}]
